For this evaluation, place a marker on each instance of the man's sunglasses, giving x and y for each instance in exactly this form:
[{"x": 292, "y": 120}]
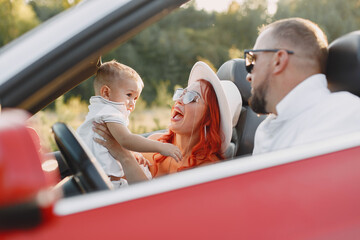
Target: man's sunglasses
[
  {"x": 187, "y": 96},
  {"x": 250, "y": 58}
]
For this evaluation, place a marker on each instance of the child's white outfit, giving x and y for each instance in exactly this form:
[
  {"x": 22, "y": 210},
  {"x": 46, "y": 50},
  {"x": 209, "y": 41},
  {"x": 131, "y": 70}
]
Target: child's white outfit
[{"x": 102, "y": 110}]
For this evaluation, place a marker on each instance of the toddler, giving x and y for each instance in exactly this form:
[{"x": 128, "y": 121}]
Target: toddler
[{"x": 117, "y": 87}]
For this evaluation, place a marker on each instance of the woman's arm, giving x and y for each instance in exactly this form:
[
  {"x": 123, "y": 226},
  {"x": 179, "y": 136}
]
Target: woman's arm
[{"x": 132, "y": 170}]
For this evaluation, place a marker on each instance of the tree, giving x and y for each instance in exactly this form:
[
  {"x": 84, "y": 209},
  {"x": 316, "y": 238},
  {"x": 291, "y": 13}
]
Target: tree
[
  {"x": 46, "y": 9},
  {"x": 16, "y": 18},
  {"x": 337, "y": 17}
]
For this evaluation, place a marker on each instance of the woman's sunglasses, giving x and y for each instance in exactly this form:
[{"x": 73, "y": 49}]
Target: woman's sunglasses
[
  {"x": 187, "y": 96},
  {"x": 250, "y": 58}
]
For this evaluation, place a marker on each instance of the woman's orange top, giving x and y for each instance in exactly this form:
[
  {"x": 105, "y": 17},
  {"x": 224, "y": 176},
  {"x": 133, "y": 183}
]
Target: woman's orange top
[{"x": 169, "y": 165}]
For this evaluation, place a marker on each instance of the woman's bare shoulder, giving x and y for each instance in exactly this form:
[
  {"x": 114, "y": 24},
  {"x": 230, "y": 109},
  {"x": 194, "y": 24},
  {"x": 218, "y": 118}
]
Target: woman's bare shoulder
[{"x": 155, "y": 136}]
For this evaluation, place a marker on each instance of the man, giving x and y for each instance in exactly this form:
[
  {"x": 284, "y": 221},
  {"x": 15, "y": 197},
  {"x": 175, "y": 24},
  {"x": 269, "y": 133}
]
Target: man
[{"x": 286, "y": 71}]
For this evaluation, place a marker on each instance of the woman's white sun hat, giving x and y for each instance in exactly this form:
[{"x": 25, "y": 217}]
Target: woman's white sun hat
[{"x": 228, "y": 97}]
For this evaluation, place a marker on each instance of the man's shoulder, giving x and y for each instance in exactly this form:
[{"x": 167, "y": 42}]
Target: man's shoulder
[
  {"x": 343, "y": 100},
  {"x": 335, "y": 105},
  {"x": 345, "y": 96}
]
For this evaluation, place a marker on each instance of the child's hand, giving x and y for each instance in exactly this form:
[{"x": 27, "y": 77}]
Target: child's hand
[
  {"x": 172, "y": 151},
  {"x": 141, "y": 160}
]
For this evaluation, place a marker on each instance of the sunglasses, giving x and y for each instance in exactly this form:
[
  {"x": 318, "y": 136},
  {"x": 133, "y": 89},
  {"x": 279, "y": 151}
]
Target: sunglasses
[
  {"x": 250, "y": 58},
  {"x": 187, "y": 96}
]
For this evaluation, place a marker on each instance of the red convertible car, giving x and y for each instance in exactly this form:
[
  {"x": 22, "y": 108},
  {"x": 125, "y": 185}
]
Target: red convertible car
[{"x": 305, "y": 192}]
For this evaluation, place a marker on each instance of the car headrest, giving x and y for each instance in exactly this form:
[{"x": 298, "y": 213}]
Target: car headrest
[
  {"x": 234, "y": 70},
  {"x": 343, "y": 65}
]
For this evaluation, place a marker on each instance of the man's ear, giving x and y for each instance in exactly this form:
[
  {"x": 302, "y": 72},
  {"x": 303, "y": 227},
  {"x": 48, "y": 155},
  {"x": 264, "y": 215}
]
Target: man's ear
[
  {"x": 105, "y": 92},
  {"x": 281, "y": 60}
]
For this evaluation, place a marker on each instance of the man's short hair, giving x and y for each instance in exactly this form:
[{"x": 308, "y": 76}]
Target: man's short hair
[
  {"x": 302, "y": 33},
  {"x": 112, "y": 71}
]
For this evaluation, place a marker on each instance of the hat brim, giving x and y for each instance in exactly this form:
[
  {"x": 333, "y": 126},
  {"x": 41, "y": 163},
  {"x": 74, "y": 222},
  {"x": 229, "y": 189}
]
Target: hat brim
[{"x": 202, "y": 71}]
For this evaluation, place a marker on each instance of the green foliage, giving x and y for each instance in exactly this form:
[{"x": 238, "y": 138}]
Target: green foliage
[
  {"x": 46, "y": 9},
  {"x": 16, "y": 18},
  {"x": 163, "y": 97},
  {"x": 140, "y": 105},
  {"x": 85, "y": 90},
  {"x": 73, "y": 109},
  {"x": 150, "y": 119},
  {"x": 337, "y": 17},
  {"x": 72, "y": 112}
]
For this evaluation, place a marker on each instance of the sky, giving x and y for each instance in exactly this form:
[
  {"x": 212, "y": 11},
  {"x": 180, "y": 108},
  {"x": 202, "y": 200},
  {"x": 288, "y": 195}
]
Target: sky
[
  {"x": 213, "y": 5},
  {"x": 222, "y": 5}
]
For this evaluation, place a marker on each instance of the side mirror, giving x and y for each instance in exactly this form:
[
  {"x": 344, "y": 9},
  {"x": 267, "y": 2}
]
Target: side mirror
[{"x": 25, "y": 196}]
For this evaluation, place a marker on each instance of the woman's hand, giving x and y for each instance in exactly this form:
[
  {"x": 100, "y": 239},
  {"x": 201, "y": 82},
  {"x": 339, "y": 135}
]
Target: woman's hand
[
  {"x": 141, "y": 160},
  {"x": 133, "y": 171}
]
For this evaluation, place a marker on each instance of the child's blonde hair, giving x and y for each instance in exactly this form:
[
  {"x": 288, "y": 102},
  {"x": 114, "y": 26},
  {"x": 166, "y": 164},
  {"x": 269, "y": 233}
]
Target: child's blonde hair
[{"x": 112, "y": 71}]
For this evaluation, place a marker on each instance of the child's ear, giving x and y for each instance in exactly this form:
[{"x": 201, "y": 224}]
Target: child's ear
[{"x": 105, "y": 92}]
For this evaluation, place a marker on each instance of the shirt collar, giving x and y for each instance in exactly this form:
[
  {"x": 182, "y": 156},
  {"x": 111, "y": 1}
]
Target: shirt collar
[
  {"x": 99, "y": 99},
  {"x": 302, "y": 97}
]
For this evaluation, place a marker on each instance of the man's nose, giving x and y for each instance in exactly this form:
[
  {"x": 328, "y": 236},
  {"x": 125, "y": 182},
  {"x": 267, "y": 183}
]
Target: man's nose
[{"x": 248, "y": 77}]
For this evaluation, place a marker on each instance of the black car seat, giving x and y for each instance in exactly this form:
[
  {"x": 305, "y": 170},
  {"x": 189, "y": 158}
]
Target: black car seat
[
  {"x": 343, "y": 65},
  {"x": 244, "y": 132}
]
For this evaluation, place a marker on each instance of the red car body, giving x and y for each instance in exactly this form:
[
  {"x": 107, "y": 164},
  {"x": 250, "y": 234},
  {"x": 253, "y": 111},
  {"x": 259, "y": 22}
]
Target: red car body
[{"x": 281, "y": 195}]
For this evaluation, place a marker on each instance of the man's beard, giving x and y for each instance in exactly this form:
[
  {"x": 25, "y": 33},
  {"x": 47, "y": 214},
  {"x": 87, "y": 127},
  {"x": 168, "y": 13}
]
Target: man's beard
[{"x": 257, "y": 100}]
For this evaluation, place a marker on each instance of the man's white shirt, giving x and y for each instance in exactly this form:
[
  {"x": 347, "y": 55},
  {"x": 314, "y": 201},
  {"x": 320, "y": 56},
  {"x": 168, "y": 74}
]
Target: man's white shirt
[{"x": 310, "y": 112}]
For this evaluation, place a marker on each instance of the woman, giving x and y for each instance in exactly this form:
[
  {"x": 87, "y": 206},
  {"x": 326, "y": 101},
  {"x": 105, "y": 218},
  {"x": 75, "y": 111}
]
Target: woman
[{"x": 201, "y": 126}]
